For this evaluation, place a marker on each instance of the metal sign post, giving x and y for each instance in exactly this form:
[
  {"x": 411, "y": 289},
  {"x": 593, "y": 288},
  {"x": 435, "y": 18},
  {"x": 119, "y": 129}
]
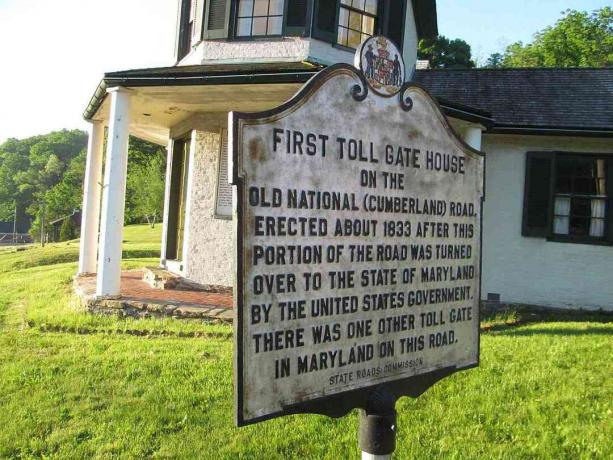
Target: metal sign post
[{"x": 357, "y": 214}]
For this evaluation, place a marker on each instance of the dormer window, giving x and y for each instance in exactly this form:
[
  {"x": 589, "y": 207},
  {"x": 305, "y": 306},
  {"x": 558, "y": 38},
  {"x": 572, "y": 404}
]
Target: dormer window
[
  {"x": 356, "y": 21},
  {"x": 259, "y": 18}
]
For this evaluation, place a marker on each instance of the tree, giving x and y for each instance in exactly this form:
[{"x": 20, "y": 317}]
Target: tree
[
  {"x": 444, "y": 53},
  {"x": 68, "y": 230},
  {"x": 44, "y": 175},
  {"x": 579, "y": 39},
  {"x": 31, "y": 167},
  {"x": 494, "y": 61},
  {"x": 146, "y": 190}
]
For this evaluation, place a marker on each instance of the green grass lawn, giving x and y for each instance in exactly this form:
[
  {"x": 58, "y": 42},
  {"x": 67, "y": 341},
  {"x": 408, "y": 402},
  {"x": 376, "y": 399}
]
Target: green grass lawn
[{"x": 95, "y": 389}]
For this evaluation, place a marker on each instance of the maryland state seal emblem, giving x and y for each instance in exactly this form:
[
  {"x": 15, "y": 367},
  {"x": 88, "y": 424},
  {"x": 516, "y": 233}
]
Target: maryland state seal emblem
[{"x": 382, "y": 64}]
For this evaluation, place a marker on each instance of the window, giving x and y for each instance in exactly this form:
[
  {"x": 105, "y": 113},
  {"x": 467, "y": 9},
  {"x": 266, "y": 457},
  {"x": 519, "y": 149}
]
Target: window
[
  {"x": 568, "y": 197},
  {"x": 356, "y": 21},
  {"x": 259, "y": 18},
  {"x": 580, "y": 197}
]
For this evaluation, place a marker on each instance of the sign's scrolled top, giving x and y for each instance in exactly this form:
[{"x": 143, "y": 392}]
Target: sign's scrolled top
[{"x": 358, "y": 229}]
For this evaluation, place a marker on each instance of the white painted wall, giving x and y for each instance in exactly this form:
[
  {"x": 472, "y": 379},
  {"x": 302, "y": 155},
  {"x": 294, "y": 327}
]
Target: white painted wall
[{"x": 533, "y": 270}]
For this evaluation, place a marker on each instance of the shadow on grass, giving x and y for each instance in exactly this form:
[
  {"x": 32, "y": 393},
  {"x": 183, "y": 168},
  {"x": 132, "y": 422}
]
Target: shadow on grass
[{"x": 554, "y": 331}]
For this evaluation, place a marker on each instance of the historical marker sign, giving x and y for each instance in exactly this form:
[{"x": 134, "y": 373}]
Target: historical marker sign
[{"x": 358, "y": 220}]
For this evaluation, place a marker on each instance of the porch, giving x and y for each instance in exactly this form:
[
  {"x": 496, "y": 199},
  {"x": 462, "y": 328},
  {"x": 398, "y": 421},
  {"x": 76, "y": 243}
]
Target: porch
[
  {"x": 165, "y": 106},
  {"x": 137, "y": 299}
]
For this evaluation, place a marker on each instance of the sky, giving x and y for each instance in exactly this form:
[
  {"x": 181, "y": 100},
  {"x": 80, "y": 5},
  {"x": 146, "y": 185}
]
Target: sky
[{"x": 53, "y": 53}]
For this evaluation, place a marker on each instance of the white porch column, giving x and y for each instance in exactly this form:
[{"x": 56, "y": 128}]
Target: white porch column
[
  {"x": 472, "y": 136},
  {"x": 113, "y": 196},
  {"x": 90, "y": 214}
]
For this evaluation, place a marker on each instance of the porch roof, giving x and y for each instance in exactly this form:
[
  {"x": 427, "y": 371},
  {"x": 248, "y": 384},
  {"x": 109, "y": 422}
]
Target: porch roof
[{"x": 165, "y": 96}]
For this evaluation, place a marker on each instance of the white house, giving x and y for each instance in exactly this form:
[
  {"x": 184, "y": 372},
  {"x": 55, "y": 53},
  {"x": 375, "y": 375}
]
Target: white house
[{"x": 548, "y": 223}]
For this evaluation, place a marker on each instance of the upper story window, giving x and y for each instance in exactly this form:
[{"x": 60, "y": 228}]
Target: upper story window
[
  {"x": 356, "y": 21},
  {"x": 568, "y": 197},
  {"x": 339, "y": 22},
  {"x": 259, "y": 18}
]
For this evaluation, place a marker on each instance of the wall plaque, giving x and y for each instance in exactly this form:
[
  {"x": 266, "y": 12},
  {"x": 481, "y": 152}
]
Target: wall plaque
[
  {"x": 223, "y": 192},
  {"x": 358, "y": 227}
]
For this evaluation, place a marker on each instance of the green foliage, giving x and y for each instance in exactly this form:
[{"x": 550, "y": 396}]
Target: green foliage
[
  {"x": 444, "y": 53},
  {"x": 67, "y": 230},
  {"x": 579, "y": 39},
  {"x": 31, "y": 167},
  {"x": 494, "y": 61},
  {"x": 44, "y": 174},
  {"x": 145, "y": 189}
]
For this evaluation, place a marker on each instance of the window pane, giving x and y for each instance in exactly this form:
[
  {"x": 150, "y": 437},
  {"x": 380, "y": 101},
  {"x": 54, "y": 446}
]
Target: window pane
[
  {"x": 276, "y": 7},
  {"x": 359, "y": 4},
  {"x": 275, "y": 25},
  {"x": 346, "y": 2},
  {"x": 561, "y": 206},
  {"x": 259, "y": 26},
  {"x": 597, "y": 228},
  {"x": 371, "y": 6},
  {"x": 584, "y": 186},
  {"x": 343, "y": 17},
  {"x": 244, "y": 27},
  {"x": 353, "y": 39},
  {"x": 368, "y": 25},
  {"x": 563, "y": 184},
  {"x": 584, "y": 167},
  {"x": 598, "y": 208},
  {"x": 261, "y": 8},
  {"x": 581, "y": 207},
  {"x": 560, "y": 225},
  {"x": 245, "y": 8},
  {"x": 579, "y": 226},
  {"x": 342, "y": 36},
  {"x": 565, "y": 167},
  {"x": 355, "y": 20},
  {"x": 602, "y": 187},
  {"x": 600, "y": 168}
]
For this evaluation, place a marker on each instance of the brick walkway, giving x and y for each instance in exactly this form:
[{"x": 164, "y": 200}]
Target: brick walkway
[
  {"x": 138, "y": 299},
  {"x": 134, "y": 288}
]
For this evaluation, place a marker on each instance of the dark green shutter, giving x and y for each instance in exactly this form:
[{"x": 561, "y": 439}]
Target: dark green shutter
[
  {"x": 537, "y": 194},
  {"x": 184, "y": 42},
  {"x": 296, "y": 17},
  {"x": 324, "y": 20},
  {"x": 394, "y": 29},
  {"x": 217, "y": 19}
]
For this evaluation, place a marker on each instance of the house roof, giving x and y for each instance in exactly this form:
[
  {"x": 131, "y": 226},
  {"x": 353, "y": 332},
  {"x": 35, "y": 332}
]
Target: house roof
[{"x": 544, "y": 100}]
